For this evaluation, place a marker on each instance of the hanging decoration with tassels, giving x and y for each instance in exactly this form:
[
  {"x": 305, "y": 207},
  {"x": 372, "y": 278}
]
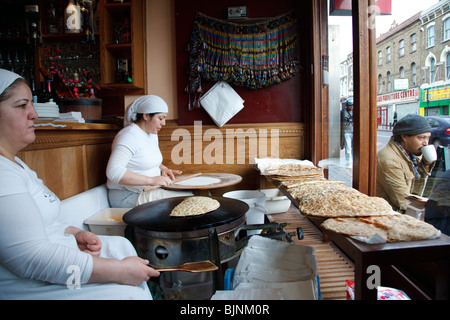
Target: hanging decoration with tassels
[{"x": 249, "y": 55}]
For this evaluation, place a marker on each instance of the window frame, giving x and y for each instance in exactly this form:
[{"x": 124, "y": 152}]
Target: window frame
[
  {"x": 431, "y": 36},
  {"x": 413, "y": 38},
  {"x": 401, "y": 48}
]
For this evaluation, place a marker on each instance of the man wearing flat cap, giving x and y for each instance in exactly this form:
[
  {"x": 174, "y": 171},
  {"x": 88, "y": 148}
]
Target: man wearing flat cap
[{"x": 400, "y": 166}]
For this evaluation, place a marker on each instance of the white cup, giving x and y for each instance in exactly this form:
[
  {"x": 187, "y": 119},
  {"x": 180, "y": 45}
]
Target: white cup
[{"x": 429, "y": 153}]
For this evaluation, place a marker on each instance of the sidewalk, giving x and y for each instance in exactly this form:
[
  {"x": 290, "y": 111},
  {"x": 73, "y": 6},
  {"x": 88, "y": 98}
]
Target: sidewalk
[{"x": 338, "y": 171}]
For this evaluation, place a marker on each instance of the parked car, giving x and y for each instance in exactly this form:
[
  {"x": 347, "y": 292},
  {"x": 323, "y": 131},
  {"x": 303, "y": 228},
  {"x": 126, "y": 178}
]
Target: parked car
[{"x": 440, "y": 133}]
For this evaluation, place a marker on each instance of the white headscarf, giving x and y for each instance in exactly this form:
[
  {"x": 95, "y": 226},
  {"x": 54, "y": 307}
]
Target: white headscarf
[
  {"x": 6, "y": 79},
  {"x": 145, "y": 104}
]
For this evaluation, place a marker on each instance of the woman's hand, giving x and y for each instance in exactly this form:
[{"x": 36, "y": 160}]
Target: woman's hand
[
  {"x": 136, "y": 270},
  {"x": 166, "y": 172},
  {"x": 129, "y": 271},
  {"x": 87, "y": 241},
  {"x": 161, "y": 181}
]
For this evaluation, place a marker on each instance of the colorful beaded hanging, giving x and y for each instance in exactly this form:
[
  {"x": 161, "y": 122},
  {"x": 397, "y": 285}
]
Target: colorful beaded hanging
[{"x": 249, "y": 55}]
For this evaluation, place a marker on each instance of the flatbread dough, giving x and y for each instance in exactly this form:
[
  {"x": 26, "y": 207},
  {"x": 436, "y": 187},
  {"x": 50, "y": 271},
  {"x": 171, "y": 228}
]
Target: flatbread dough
[
  {"x": 198, "y": 181},
  {"x": 394, "y": 227},
  {"x": 194, "y": 206}
]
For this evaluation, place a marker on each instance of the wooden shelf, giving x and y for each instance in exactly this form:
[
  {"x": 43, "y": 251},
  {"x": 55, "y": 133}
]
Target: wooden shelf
[
  {"x": 112, "y": 14},
  {"x": 66, "y": 37}
]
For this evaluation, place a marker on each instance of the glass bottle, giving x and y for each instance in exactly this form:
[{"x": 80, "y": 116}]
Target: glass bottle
[
  {"x": 52, "y": 21},
  {"x": 72, "y": 18}
]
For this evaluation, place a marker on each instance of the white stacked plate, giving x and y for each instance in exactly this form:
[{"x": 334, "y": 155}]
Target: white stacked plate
[{"x": 47, "y": 111}]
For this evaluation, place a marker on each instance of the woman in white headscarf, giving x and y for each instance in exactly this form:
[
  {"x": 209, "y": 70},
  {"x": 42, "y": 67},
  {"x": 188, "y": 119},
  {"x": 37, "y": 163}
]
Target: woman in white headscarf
[
  {"x": 135, "y": 163},
  {"x": 42, "y": 257}
]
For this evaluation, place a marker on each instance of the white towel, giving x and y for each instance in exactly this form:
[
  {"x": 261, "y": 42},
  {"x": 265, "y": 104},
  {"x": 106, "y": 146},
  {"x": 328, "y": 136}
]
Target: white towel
[{"x": 222, "y": 103}]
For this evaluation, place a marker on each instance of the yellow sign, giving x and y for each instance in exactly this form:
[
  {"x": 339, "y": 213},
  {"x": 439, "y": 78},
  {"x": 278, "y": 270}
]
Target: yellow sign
[{"x": 437, "y": 94}]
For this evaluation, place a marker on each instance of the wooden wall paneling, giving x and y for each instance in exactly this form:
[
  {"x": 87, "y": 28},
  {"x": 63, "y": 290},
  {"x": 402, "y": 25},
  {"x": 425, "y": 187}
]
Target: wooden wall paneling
[
  {"x": 96, "y": 160},
  {"x": 230, "y": 155},
  {"x": 61, "y": 169},
  {"x": 72, "y": 159}
]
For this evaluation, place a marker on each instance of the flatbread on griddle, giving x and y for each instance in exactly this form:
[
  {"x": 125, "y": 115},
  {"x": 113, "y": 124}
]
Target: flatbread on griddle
[{"x": 194, "y": 206}]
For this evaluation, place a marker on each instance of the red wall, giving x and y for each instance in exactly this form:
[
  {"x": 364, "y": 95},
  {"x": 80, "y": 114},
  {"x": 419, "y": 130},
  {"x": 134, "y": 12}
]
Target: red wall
[{"x": 277, "y": 103}]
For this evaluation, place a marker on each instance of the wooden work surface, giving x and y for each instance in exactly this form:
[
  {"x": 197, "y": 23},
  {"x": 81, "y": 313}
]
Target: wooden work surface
[
  {"x": 392, "y": 259},
  {"x": 398, "y": 262}
]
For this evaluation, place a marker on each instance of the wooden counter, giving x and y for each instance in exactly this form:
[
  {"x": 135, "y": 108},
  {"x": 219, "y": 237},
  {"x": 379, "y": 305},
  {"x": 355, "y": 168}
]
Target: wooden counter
[
  {"x": 420, "y": 268},
  {"x": 395, "y": 260},
  {"x": 70, "y": 157}
]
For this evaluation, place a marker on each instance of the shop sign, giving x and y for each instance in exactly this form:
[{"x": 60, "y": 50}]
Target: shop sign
[
  {"x": 344, "y": 7},
  {"x": 401, "y": 84},
  {"x": 436, "y": 94},
  {"x": 399, "y": 96}
]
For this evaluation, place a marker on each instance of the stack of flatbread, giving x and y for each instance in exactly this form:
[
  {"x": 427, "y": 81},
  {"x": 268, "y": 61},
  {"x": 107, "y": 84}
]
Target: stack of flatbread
[
  {"x": 338, "y": 200},
  {"x": 294, "y": 170},
  {"x": 320, "y": 197},
  {"x": 194, "y": 206},
  {"x": 348, "y": 211}
]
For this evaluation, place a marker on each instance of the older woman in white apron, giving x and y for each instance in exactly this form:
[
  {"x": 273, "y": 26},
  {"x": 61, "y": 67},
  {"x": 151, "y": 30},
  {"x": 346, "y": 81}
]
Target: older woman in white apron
[{"x": 41, "y": 257}]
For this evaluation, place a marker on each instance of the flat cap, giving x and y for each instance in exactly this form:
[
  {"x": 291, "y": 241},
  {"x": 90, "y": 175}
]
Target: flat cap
[{"x": 411, "y": 125}]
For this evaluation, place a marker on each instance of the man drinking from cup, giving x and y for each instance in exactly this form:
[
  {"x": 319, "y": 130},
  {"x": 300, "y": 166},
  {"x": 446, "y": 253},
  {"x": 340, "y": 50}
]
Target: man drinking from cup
[{"x": 402, "y": 165}]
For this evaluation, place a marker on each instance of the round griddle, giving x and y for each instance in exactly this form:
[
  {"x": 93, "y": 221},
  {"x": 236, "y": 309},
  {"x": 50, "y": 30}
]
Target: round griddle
[{"x": 154, "y": 216}]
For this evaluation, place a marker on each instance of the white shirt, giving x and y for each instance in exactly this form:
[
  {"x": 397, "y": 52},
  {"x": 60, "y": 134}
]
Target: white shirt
[
  {"x": 133, "y": 150},
  {"x": 35, "y": 254},
  {"x": 33, "y": 245}
]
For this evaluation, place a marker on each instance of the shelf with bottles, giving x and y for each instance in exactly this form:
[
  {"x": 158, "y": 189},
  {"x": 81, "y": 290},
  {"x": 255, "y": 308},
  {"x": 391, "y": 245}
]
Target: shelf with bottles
[
  {"x": 69, "y": 20},
  {"x": 121, "y": 45},
  {"x": 73, "y": 69},
  {"x": 19, "y": 34}
]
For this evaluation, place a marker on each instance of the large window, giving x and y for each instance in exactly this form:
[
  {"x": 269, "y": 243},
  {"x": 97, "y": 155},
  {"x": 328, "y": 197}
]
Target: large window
[
  {"x": 430, "y": 36},
  {"x": 389, "y": 83},
  {"x": 380, "y": 58},
  {"x": 432, "y": 70},
  {"x": 413, "y": 43},
  {"x": 413, "y": 74},
  {"x": 447, "y": 66},
  {"x": 388, "y": 54},
  {"x": 447, "y": 29},
  {"x": 401, "y": 48},
  {"x": 380, "y": 83}
]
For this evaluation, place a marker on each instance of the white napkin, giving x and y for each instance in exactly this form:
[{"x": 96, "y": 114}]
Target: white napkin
[{"x": 222, "y": 103}]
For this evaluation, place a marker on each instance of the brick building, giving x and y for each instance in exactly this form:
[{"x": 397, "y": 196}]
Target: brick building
[{"x": 413, "y": 62}]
